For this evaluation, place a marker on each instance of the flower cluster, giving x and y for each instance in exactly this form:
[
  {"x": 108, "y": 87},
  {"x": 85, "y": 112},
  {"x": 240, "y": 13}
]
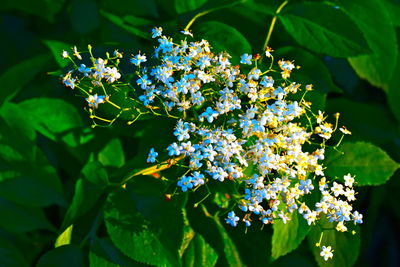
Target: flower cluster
[{"x": 235, "y": 120}]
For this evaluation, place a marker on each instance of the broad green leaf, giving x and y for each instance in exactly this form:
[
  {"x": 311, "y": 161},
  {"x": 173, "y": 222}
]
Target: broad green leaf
[
  {"x": 370, "y": 164},
  {"x": 10, "y": 256},
  {"x": 52, "y": 117},
  {"x": 64, "y": 256},
  {"x": 96, "y": 261},
  {"x": 56, "y": 48},
  {"x": 18, "y": 76},
  {"x": 143, "y": 225},
  {"x": 65, "y": 237},
  {"x": 33, "y": 183},
  {"x": 104, "y": 253},
  {"x": 375, "y": 22},
  {"x": 183, "y": 6},
  {"x": 230, "y": 251},
  {"x": 88, "y": 191},
  {"x": 15, "y": 125},
  {"x": 223, "y": 37},
  {"x": 199, "y": 253},
  {"x": 138, "y": 21},
  {"x": 366, "y": 121},
  {"x": 287, "y": 237},
  {"x": 20, "y": 219},
  {"x": 346, "y": 246},
  {"x": 112, "y": 154},
  {"x": 121, "y": 23},
  {"x": 46, "y": 9},
  {"x": 332, "y": 33}
]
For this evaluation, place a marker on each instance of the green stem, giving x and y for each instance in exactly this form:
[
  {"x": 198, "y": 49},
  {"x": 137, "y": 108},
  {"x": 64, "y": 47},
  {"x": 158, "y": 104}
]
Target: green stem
[
  {"x": 271, "y": 28},
  {"x": 209, "y": 11}
]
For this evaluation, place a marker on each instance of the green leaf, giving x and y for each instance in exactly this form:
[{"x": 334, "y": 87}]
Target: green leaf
[
  {"x": 10, "y": 256},
  {"x": 64, "y": 256},
  {"x": 18, "y": 76},
  {"x": 46, "y": 9},
  {"x": 65, "y": 237},
  {"x": 104, "y": 253},
  {"x": 88, "y": 191},
  {"x": 370, "y": 164},
  {"x": 20, "y": 219},
  {"x": 312, "y": 71},
  {"x": 199, "y": 253},
  {"x": 56, "y": 48},
  {"x": 183, "y": 6},
  {"x": 143, "y": 225},
  {"x": 223, "y": 37},
  {"x": 16, "y": 126},
  {"x": 121, "y": 23},
  {"x": 96, "y": 261},
  {"x": 332, "y": 33},
  {"x": 52, "y": 117},
  {"x": 287, "y": 237},
  {"x": 112, "y": 154},
  {"x": 346, "y": 246},
  {"x": 31, "y": 183},
  {"x": 375, "y": 22},
  {"x": 230, "y": 251}
]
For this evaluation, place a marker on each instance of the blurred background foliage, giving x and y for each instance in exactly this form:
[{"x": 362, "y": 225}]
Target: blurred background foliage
[{"x": 58, "y": 202}]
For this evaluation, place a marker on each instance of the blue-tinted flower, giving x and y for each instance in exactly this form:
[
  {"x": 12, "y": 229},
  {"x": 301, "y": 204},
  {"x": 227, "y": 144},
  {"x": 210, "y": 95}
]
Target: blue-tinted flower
[
  {"x": 143, "y": 81},
  {"x": 246, "y": 59},
  {"x": 95, "y": 100},
  {"x": 209, "y": 114},
  {"x": 185, "y": 182},
  {"x": 306, "y": 186},
  {"x": 83, "y": 69},
  {"x": 174, "y": 149},
  {"x": 151, "y": 158},
  {"x": 357, "y": 217},
  {"x": 156, "y": 32},
  {"x": 138, "y": 59},
  {"x": 232, "y": 219}
]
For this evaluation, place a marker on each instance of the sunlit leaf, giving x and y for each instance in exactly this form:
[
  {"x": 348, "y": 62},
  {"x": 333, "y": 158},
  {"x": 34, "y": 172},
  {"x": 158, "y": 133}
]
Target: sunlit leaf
[
  {"x": 375, "y": 22},
  {"x": 287, "y": 237},
  {"x": 112, "y": 154},
  {"x": 334, "y": 33},
  {"x": 199, "y": 253},
  {"x": 370, "y": 164},
  {"x": 65, "y": 237},
  {"x": 56, "y": 48},
  {"x": 136, "y": 222},
  {"x": 52, "y": 117},
  {"x": 223, "y": 37},
  {"x": 88, "y": 191},
  {"x": 346, "y": 245}
]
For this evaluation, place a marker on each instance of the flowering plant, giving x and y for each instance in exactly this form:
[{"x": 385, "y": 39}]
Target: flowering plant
[{"x": 248, "y": 123}]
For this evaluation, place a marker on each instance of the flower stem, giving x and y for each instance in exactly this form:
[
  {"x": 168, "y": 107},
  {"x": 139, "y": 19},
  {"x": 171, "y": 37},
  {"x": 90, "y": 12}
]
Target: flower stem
[{"x": 271, "y": 27}]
